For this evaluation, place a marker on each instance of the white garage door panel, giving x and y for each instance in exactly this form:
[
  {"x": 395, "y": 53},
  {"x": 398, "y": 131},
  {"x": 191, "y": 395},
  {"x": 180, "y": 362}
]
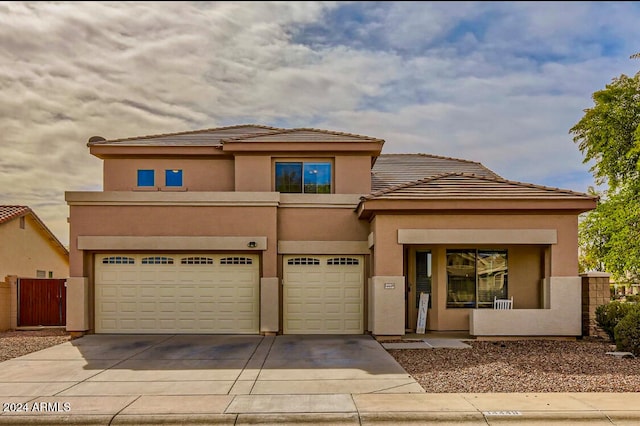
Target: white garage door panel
[
  {"x": 202, "y": 295},
  {"x": 323, "y": 294}
]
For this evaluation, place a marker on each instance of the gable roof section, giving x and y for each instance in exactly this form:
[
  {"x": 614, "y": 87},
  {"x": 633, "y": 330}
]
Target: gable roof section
[
  {"x": 8, "y": 213},
  {"x": 471, "y": 186},
  {"x": 206, "y": 137},
  {"x": 396, "y": 169},
  {"x": 304, "y": 135}
]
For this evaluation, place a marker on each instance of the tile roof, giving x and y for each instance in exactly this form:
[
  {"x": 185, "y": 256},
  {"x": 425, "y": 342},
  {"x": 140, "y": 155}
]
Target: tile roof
[
  {"x": 11, "y": 212},
  {"x": 206, "y": 137},
  {"x": 395, "y": 169},
  {"x": 471, "y": 186},
  {"x": 305, "y": 135}
]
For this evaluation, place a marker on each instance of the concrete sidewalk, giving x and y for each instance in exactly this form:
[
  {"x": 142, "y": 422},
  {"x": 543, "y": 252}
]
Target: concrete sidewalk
[{"x": 338, "y": 409}]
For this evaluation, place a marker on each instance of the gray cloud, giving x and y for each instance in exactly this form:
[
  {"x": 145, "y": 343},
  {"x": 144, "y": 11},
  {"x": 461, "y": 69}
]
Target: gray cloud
[{"x": 499, "y": 83}]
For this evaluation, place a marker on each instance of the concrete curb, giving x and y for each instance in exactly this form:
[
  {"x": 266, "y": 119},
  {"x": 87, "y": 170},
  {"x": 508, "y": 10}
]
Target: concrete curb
[{"x": 347, "y": 418}]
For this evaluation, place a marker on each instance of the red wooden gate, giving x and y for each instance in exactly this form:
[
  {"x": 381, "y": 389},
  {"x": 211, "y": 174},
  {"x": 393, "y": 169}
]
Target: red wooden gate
[{"x": 41, "y": 302}]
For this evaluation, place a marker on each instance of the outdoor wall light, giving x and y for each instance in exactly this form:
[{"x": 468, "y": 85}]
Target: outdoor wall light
[{"x": 252, "y": 244}]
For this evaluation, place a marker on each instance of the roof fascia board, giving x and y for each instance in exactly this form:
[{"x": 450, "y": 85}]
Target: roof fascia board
[{"x": 106, "y": 151}]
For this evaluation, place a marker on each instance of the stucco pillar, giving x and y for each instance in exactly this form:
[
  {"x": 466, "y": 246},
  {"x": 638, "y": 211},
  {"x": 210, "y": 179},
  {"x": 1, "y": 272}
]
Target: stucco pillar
[
  {"x": 595, "y": 292},
  {"x": 387, "y": 305},
  {"x": 12, "y": 280},
  {"x": 269, "y": 298},
  {"x": 5, "y": 305},
  {"x": 77, "y": 304}
]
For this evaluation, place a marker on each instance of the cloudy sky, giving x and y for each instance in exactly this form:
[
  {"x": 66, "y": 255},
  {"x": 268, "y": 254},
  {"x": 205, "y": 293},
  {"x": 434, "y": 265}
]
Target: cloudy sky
[{"x": 500, "y": 83}]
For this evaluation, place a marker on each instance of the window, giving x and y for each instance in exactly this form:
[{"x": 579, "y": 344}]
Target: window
[
  {"x": 50, "y": 274},
  {"x": 41, "y": 274},
  {"x": 157, "y": 260},
  {"x": 173, "y": 177},
  {"x": 474, "y": 277},
  {"x": 118, "y": 260},
  {"x": 21, "y": 222},
  {"x": 197, "y": 260},
  {"x": 146, "y": 178},
  {"x": 343, "y": 261},
  {"x": 303, "y": 177},
  {"x": 303, "y": 261},
  {"x": 236, "y": 261}
]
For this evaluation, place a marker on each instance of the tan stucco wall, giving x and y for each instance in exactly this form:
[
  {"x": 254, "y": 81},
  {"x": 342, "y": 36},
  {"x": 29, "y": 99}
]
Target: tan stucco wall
[
  {"x": 320, "y": 224},
  {"x": 562, "y": 319},
  {"x": 386, "y": 305},
  {"x": 207, "y": 174},
  {"x": 24, "y": 251},
  {"x": 173, "y": 221},
  {"x": 564, "y": 254},
  {"x": 253, "y": 173},
  {"x": 352, "y": 174}
]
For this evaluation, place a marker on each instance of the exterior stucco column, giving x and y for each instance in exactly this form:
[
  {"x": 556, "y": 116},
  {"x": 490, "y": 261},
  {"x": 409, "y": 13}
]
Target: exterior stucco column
[
  {"x": 77, "y": 304},
  {"x": 386, "y": 298}
]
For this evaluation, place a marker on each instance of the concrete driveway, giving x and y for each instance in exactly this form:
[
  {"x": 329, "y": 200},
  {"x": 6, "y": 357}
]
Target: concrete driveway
[{"x": 138, "y": 365}]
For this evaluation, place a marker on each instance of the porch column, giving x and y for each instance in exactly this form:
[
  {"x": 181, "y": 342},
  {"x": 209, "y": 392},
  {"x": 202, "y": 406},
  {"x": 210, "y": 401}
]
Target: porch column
[
  {"x": 595, "y": 292},
  {"x": 386, "y": 298}
]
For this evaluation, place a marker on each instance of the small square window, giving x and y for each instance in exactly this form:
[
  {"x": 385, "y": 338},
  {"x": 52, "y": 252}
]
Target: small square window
[
  {"x": 173, "y": 177},
  {"x": 146, "y": 178},
  {"x": 41, "y": 274}
]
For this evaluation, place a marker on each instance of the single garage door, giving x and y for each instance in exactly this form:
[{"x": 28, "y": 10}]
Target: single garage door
[
  {"x": 176, "y": 293},
  {"x": 323, "y": 294}
]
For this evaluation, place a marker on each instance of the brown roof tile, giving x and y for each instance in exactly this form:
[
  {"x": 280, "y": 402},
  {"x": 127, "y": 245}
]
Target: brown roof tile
[
  {"x": 206, "y": 137},
  {"x": 305, "y": 135},
  {"x": 395, "y": 169},
  {"x": 11, "y": 212},
  {"x": 471, "y": 186}
]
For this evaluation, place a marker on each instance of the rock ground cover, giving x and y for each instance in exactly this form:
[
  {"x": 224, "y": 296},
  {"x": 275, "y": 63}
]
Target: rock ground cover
[
  {"x": 522, "y": 366},
  {"x": 17, "y": 343}
]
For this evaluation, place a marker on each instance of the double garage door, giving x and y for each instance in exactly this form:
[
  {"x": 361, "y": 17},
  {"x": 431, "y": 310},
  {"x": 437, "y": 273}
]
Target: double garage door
[{"x": 177, "y": 293}]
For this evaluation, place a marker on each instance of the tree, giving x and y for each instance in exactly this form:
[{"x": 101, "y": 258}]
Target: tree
[{"x": 609, "y": 135}]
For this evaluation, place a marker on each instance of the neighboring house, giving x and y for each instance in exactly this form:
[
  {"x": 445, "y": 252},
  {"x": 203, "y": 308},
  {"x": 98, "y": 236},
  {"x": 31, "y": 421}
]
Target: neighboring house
[
  {"x": 28, "y": 249},
  {"x": 255, "y": 229}
]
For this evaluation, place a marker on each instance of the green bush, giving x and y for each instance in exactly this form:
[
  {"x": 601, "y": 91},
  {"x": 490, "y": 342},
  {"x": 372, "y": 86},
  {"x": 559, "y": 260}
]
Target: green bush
[
  {"x": 609, "y": 315},
  {"x": 633, "y": 298},
  {"x": 627, "y": 333}
]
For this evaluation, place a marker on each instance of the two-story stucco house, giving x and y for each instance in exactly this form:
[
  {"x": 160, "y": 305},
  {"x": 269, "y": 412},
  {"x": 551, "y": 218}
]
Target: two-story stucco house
[{"x": 254, "y": 229}]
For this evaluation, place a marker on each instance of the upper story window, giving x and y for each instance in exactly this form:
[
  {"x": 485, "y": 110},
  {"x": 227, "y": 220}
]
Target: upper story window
[
  {"x": 303, "y": 177},
  {"x": 173, "y": 177},
  {"x": 146, "y": 178}
]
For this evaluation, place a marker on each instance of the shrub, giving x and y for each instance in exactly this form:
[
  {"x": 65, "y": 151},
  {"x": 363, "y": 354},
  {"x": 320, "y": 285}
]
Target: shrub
[
  {"x": 627, "y": 333},
  {"x": 609, "y": 315},
  {"x": 633, "y": 298}
]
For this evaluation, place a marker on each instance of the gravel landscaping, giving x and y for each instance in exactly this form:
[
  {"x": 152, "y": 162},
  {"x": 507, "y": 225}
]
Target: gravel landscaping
[
  {"x": 17, "y": 343},
  {"x": 522, "y": 366}
]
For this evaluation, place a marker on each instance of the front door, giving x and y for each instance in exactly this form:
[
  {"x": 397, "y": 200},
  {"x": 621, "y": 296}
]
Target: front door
[{"x": 419, "y": 282}]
